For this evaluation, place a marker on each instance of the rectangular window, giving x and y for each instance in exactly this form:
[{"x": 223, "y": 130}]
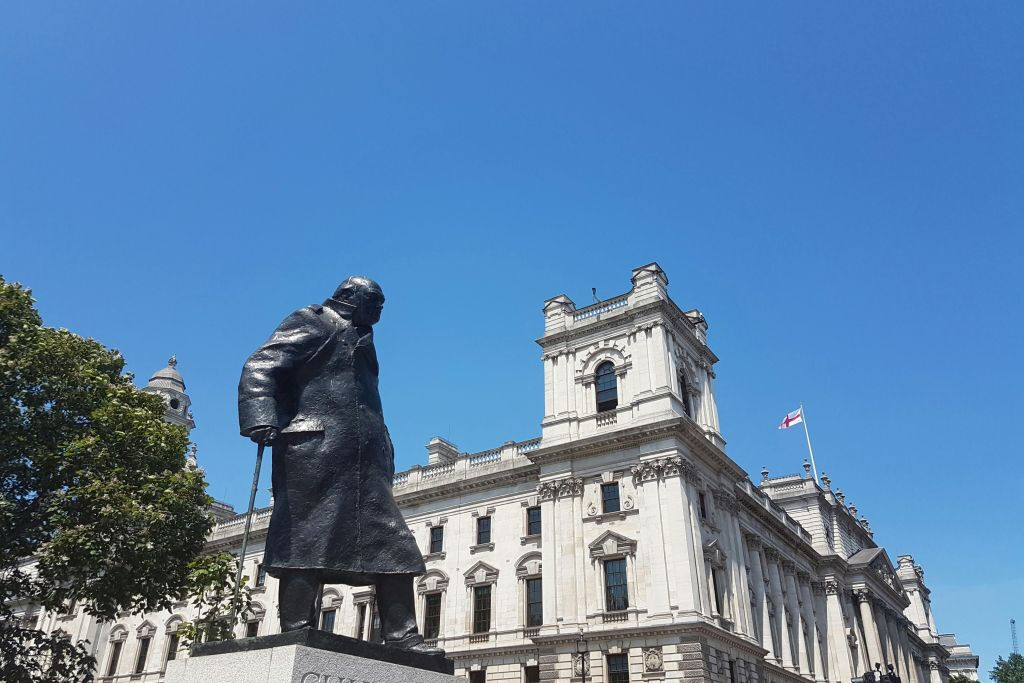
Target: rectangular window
[
  {"x": 534, "y": 603},
  {"x": 531, "y": 674},
  {"x": 482, "y": 609},
  {"x": 172, "y": 647},
  {"x": 432, "y": 618},
  {"x": 477, "y": 677},
  {"x": 618, "y": 668},
  {"x": 732, "y": 671},
  {"x": 361, "y": 621},
  {"x": 533, "y": 521},
  {"x": 327, "y": 620},
  {"x": 436, "y": 539},
  {"x": 252, "y": 629},
  {"x": 483, "y": 530},
  {"x": 261, "y": 575},
  {"x": 140, "y": 659},
  {"x": 615, "y": 592},
  {"x": 375, "y": 625},
  {"x": 702, "y": 502},
  {"x": 115, "y": 658},
  {"x": 610, "y": 497}
]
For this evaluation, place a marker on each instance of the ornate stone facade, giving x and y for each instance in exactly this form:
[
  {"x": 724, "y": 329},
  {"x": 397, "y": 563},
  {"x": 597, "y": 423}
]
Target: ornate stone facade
[{"x": 625, "y": 538}]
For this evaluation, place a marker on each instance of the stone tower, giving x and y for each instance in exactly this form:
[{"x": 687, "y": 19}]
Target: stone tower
[{"x": 169, "y": 385}]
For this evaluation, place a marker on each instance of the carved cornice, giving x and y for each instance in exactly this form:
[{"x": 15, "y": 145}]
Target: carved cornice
[
  {"x": 726, "y": 501},
  {"x": 661, "y": 468},
  {"x": 560, "y": 488}
]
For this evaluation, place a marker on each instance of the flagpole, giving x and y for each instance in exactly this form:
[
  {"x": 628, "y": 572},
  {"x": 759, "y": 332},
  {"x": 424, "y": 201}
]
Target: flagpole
[{"x": 803, "y": 416}]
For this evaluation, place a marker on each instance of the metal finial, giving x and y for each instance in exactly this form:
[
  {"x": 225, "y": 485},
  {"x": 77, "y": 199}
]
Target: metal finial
[{"x": 172, "y": 361}]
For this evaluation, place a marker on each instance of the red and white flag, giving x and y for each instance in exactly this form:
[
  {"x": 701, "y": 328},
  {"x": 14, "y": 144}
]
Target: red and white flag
[{"x": 794, "y": 418}]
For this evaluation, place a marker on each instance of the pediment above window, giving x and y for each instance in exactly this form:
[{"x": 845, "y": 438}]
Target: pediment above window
[
  {"x": 611, "y": 544},
  {"x": 145, "y": 630},
  {"x": 481, "y": 573},
  {"x": 528, "y": 565},
  {"x": 433, "y": 581}
]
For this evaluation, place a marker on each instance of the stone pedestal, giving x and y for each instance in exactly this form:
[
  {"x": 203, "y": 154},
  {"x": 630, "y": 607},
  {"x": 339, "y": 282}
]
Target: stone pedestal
[{"x": 306, "y": 656}]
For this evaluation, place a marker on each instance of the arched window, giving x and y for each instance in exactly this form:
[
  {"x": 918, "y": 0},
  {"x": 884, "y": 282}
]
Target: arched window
[
  {"x": 684, "y": 394},
  {"x": 607, "y": 391}
]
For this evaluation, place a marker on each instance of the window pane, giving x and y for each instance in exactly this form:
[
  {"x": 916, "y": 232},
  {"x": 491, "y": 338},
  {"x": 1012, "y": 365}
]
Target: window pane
[
  {"x": 477, "y": 677},
  {"x": 140, "y": 660},
  {"x": 432, "y": 619},
  {"x": 252, "y": 629},
  {"x": 327, "y": 620},
  {"x": 610, "y": 497},
  {"x": 436, "y": 539},
  {"x": 483, "y": 530},
  {"x": 481, "y": 609},
  {"x": 533, "y": 521},
  {"x": 261, "y": 575},
  {"x": 618, "y": 668},
  {"x": 703, "y": 502},
  {"x": 616, "y": 596},
  {"x": 172, "y": 647},
  {"x": 534, "y": 603},
  {"x": 115, "y": 657},
  {"x": 532, "y": 674},
  {"x": 607, "y": 392},
  {"x": 361, "y": 622}
]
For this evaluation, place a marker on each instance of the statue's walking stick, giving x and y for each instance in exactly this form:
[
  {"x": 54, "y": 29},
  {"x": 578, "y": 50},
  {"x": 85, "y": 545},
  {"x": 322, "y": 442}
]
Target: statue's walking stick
[{"x": 245, "y": 534}]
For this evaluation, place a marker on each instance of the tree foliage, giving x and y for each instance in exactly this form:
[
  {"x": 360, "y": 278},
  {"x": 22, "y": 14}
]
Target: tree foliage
[
  {"x": 97, "y": 507},
  {"x": 212, "y": 584},
  {"x": 1009, "y": 670},
  {"x": 961, "y": 678}
]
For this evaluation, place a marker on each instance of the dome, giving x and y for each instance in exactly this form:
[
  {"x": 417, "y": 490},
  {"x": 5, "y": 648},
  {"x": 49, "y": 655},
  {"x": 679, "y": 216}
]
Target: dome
[{"x": 168, "y": 378}]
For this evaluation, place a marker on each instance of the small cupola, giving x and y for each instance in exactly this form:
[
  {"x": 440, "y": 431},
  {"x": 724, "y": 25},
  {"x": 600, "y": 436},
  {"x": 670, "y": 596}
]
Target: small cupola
[{"x": 170, "y": 385}]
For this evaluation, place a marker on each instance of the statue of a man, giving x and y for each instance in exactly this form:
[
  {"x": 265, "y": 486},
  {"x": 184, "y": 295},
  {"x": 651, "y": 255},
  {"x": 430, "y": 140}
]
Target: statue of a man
[{"x": 311, "y": 391}]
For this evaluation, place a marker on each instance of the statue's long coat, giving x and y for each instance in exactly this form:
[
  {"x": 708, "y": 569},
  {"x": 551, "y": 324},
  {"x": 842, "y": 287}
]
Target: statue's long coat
[{"x": 333, "y": 462}]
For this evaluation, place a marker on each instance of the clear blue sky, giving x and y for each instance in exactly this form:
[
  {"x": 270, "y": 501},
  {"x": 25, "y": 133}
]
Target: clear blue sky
[{"x": 837, "y": 186}]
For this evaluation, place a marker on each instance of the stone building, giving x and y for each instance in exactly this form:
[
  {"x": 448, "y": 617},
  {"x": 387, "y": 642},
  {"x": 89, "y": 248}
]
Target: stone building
[{"x": 623, "y": 544}]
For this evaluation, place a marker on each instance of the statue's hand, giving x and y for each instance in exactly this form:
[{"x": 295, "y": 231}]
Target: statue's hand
[{"x": 263, "y": 435}]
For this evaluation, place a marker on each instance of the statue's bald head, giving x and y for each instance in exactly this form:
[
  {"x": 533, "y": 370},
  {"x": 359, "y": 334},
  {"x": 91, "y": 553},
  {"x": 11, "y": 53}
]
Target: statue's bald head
[{"x": 364, "y": 296}]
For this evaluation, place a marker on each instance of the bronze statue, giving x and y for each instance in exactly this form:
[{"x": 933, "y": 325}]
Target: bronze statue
[{"x": 311, "y": 391}]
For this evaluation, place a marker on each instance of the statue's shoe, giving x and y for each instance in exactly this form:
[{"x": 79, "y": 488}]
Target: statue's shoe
[{"x": 415, "y": 643}]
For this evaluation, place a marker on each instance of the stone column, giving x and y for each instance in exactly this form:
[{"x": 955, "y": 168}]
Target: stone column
[
  {"x": 838, "y": 645},
  {"x": 683, "y": 519},
  {"x": 798, "y": 619},
  {"x": 775, "y": 581},
  {"x": 653, "y": 555},
  {"x": 757, "y": 576},
  {"x": 568, "y": 548},
  {"x": 549, "y": 551},
  {"x": 867, "y": 616},
  {"x": 736, "y": 568},
  {"x": 814, "y": 656}
]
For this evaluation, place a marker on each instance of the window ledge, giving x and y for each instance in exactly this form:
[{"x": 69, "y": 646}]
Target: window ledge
[
  {"x": 259, "y": 589},
  {"x": 480, "y": 547},
  {"x": 434, "y": 556},
  {"x": 528, "y": 538},
  {"x": 607, "y": 516}
]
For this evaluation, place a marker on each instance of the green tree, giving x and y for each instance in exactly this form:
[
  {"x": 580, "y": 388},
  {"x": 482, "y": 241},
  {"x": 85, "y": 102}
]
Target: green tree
[
  {"x": 960, "y": 678},
  {"x": 1009, "y": 670},
  {"x": 97, "y": 507}
]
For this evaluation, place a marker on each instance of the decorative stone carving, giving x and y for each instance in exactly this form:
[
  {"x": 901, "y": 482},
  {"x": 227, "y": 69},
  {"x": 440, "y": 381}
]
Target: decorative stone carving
[
  {"x": 571, "y": 486},
  {"x": 862, "y": 595},
  {"x": 580, "y": 665},
  {"x": 771, "y": 554},
  {"x": 660, "y": 468},
  {"x": 726, "y": 501},
  {"x": 610, "y": 544},
  {"x": 653, "y": 659},
  {"x": 831, "y": 588},
  {"x": 547, "y": 491},
  {"x": 689, "y": 471}
]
